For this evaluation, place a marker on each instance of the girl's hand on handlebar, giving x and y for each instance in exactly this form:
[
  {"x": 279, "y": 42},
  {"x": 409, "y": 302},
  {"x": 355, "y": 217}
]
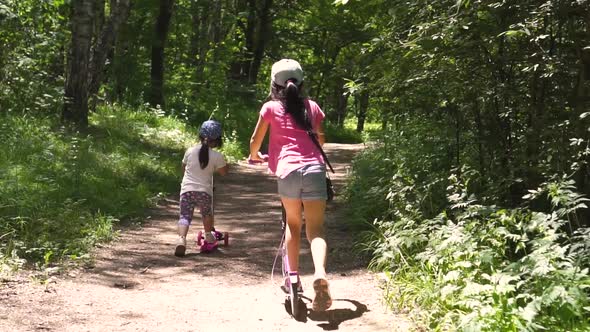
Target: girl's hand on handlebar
[
  {"x": 264, "y": 157},
  {"x": 258, "y": 158},
  {"x": 255, "y": 160}
]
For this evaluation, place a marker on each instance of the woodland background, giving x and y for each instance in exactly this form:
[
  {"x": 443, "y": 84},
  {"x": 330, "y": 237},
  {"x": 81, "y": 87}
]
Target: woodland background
[{"x": 471, "y": 195}]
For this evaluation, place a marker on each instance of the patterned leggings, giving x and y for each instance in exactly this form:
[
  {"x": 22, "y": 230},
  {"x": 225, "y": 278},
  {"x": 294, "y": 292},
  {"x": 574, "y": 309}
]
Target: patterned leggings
[{"x": 191, "y": 199}]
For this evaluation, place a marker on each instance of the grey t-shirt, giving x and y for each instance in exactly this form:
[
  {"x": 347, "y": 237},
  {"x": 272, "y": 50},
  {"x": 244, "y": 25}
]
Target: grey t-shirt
[{"x": 195, "y": 178}]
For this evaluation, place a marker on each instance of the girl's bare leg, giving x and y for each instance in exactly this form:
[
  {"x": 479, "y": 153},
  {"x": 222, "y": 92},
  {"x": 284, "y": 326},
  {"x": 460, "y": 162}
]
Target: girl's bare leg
[
  {"x": 293, "y": 230},
  {"x": 208, "y": 223},
  {"x": 314, "y": 228}
]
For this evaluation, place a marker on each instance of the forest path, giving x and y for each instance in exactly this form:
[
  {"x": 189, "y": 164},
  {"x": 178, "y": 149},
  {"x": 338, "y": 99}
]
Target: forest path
[{"x": 137, "y": 284}]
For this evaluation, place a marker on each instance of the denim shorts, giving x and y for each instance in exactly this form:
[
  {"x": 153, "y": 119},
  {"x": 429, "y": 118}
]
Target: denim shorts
[{"x": 305, "y": 183}]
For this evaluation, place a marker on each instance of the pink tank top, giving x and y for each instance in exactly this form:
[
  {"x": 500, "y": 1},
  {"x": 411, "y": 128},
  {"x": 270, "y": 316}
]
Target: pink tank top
[{"x": 290, "y": 147}]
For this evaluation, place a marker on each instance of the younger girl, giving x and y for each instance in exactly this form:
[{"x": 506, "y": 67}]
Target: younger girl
[{"x": 199, "y": 164}]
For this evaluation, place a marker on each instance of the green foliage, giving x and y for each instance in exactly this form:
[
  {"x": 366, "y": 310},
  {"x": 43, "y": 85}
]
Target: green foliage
[
  {"x": 482, "y": 268},
  {"x": 493, "y": 92},
  {"x": 32, "y": 35},
  {"x": 345, "y": 134},
  {"x": 399, "y": 170},
  {"x": 495, "y": 74},
  {"x": 471, "y": 267},
  {"x": 478, "y": 89},
  {"x": 62, "y": 192},
  {"x": 234, "y": 148}
]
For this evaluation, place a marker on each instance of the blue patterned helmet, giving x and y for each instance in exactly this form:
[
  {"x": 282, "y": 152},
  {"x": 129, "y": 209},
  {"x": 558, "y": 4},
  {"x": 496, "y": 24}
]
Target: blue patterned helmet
[{"x": 210, "y": 130}]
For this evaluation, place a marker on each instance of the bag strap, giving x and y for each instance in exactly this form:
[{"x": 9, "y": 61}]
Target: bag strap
[
  {"x": 314, "y": 138},
  {"x": 315, "y": 141}
]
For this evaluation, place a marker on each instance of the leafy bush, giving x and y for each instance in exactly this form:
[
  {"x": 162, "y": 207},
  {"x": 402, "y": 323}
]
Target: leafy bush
[
  {"x": 482, "y": 268},
  {"x": 396, "y": 165},
  {"x": 335, "y": 134},
  {"x": 453, "y": 257}
]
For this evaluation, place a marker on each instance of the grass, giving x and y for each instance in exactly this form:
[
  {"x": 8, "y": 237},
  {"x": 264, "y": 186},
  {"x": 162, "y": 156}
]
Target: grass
[
  {"x": 348, "y": 133},
  {"x": 62, "y": 192}
]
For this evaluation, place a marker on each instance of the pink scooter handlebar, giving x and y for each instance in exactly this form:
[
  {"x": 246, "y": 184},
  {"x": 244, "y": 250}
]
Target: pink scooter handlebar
[
  {"x": 264, "y": 158},
  {"x": 255, "y": 162}
]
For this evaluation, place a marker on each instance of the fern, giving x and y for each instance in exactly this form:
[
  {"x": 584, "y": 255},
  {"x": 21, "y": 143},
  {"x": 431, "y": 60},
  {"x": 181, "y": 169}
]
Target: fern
[{"x": 480, "y": 268}]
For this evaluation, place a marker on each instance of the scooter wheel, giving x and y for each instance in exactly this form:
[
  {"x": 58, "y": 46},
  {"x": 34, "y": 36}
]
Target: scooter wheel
[{"x": 199, "y": 238}]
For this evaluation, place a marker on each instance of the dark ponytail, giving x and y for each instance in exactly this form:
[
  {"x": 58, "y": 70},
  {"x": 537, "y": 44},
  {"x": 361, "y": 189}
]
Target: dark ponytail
[
  {"x": 293, "y": 102},
  {"x": 204, "y": 153}
]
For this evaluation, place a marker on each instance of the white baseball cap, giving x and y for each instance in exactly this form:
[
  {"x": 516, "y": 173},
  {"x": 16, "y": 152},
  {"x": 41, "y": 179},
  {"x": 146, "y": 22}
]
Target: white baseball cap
[{"x": 284, "y": 70}]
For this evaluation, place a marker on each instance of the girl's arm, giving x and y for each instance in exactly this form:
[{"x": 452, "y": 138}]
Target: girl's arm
[
  {"x": 257, "y": 138},
  {"x": 321, "y": 134},
  {"x": 183, "y": 168},
  {"x": 222, "y": 170}
]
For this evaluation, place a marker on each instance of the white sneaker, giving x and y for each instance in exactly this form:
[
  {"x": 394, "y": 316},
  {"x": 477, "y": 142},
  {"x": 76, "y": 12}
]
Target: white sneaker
[
  {"x": 180, "y": 246},
  {"x": 322, "y": 300}
]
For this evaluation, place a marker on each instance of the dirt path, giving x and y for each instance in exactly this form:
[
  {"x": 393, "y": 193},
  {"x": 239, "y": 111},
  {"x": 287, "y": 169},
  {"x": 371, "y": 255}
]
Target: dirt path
[{"x": 136, "y": 284}]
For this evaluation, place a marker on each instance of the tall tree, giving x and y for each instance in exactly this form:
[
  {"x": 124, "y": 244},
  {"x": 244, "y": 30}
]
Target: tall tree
[
  {"x": 363, "y": 107},
  {"x": 199, "y": 39},
  {"x": 76, "y": 92},
  {"x": 105, "y": 43},
  {"x": 162, "y": 26},
  {"x": 87, "y": 58},
  {"x": 262, "y": 38},
  {"x": 255, "y": 28}
]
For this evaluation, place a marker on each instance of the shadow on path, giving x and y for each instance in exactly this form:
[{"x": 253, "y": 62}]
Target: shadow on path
[
  {"x": 247, "y": 206},
  {"x": 137, "y": 284},
  {"x": 334, "y": 317}
]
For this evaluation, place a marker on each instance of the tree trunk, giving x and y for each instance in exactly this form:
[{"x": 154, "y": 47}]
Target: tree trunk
[
  {"x": 120, "y": 53},
  {"x": 157, "y": 69},
  {"x": 119, "y": 14},
  {"x": 501, "y": 101},
  {"x": 322, "y": 73},
  {"x": 99, "y": 19},
  {"x": 327, "y": 69},
  {"x": 263, "y": 36},
  {"x": 250, "y": 34},
  {"x": 458, "y": 131},
  {"x": 195, "y": 12},
  {"x": 76, "y": 91},
  {"x": 362, "y": 113},
  {"x": 480, "y": 137},
  {"x": 200, "y": 40},
  {"x": 341, "y": 106},
  {"x": 239, "y": 69},
  {"x": 581, "y": 101},
  {"x": 215, "y": 29}
]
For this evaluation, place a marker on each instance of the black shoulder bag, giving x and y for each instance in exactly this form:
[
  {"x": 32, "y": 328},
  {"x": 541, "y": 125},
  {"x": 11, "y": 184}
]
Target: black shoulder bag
[{"x": 329, "y": 187}]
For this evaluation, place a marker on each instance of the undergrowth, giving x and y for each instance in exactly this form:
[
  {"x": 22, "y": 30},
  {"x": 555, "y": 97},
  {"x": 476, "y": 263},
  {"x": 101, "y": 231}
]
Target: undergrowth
[
  {"x": 62, "y": 192},
  {"x": 483, "y": 268},
  {"x": 457, "y": 262}
]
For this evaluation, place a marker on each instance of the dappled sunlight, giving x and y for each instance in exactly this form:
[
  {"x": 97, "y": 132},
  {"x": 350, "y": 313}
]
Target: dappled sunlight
[{"x": 137, "y": 271}]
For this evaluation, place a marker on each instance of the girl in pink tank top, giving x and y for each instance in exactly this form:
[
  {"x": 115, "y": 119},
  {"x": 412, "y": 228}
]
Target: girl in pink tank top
[{"x": 298, "y": 165}]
